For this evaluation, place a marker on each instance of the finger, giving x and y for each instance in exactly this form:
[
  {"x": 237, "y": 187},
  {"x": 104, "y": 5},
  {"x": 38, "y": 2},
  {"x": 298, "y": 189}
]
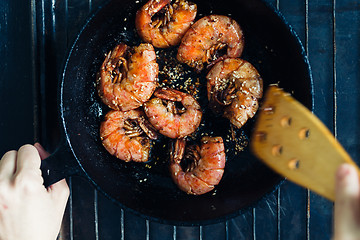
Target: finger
[
  {"x": 28, "y": 158},
  {"x": 7, "y": 164},
  {"x": 347, "y": 200},
  {"x": 42, "y": 152},
  {"x": 60, "y": 191}
]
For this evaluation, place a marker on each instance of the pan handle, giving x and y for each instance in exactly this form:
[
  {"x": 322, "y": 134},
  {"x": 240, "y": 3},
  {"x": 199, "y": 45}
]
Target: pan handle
[{"x": 59, "y": 165}]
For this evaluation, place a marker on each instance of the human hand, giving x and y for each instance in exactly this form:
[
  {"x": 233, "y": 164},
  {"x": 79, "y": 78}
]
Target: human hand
[
  {"x": 27, "y": 209},
  {"x": 347, "y": 204}
]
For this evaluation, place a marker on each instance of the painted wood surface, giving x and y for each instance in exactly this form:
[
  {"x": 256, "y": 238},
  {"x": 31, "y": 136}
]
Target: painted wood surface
[{"x": 34, "y": 39}]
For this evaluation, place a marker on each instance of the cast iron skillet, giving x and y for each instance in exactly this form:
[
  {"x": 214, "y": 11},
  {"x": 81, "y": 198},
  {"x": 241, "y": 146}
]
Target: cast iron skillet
[{"x": 147, "y": 189}]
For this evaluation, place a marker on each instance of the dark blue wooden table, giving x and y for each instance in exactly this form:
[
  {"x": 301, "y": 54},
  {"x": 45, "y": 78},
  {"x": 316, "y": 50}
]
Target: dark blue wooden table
[{"x": 34, "y": 38}]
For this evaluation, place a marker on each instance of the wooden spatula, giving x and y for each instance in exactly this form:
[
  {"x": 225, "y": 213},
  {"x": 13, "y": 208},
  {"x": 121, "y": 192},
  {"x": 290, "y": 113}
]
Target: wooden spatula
[{"x": 296, "y": 144}]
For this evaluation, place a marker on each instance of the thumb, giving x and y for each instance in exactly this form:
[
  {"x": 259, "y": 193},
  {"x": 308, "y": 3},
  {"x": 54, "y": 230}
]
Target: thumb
[
  {"x": 347, "y": 200},
  {"x": 59, "y": 192}
]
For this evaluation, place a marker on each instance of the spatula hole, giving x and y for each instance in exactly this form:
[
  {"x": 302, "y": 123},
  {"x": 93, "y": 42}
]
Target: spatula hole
[
  {"x": 294, "y": 164},
  {"x": 286, "y": 121},
  {"x": 277, "y": 150},
  {"x": 304, "y": 133}
]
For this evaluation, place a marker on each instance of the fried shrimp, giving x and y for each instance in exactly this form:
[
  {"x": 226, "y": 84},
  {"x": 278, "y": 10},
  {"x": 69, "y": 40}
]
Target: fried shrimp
[
  {"x": 127, "y": 135},
  {"x": 173, "y": 113},
  {"x": 163, "y": 23},
  {"x": 128, "y": 76},
  {"x": 234, "y": 87},
  {"x": 206, "y": 166},
  {"x": 204, "y": 39}
]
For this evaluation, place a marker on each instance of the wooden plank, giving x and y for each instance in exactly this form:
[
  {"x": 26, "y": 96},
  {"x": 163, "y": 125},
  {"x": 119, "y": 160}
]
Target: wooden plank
[
  {"x": 241, "y": 227},
  {"x": 59, "y": 31},
  {"x": 321, "y": 222},
  {"x": 213, "y": 231},
  {"x": 347, "y": 75},
  {"x": 159, "y": 231},
  {"x": 295, "y": 14},
  {"x": 293, "y": 212},
  {"x": 185, "y": 233},
  {"x": 135, "y": 227},
  {"x": 83, "y": 214},
  {"x": 321, "y": 47},
  {"x": 347, "y": 84},
  {"x": 109, "y": 218},
  {"x": 293, "y": 199},
  {"x": 49, "y": 74},
  {"x": 16, "y": 86},
  {"x": 267, "y": 217},
  {"x": 320, "y": 51}
]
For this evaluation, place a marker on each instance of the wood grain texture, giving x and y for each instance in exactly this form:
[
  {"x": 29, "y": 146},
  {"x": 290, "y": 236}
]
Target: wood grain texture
[{"x": 290, "y": 139}]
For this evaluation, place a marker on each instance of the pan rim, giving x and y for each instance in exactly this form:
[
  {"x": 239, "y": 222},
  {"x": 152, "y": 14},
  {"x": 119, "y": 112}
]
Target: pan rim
[{"x": 157, "y": 219}]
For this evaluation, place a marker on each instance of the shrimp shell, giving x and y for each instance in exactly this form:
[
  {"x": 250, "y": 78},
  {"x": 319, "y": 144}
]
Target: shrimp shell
[
  {"x": 208, "y": 35},
  {"x": 166, "y": 120},
  {"x": 206, "y": 170},
  {"x": 123, "y": 139},
  {"x": 165, "y": 31},
  {"x": 128, "y": 76},
  {"x": 246, "y": 89}
]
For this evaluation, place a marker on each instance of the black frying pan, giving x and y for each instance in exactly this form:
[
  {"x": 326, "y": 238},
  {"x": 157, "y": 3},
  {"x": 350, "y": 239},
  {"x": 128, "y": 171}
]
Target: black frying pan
[{"x": 147, "y": 189}]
